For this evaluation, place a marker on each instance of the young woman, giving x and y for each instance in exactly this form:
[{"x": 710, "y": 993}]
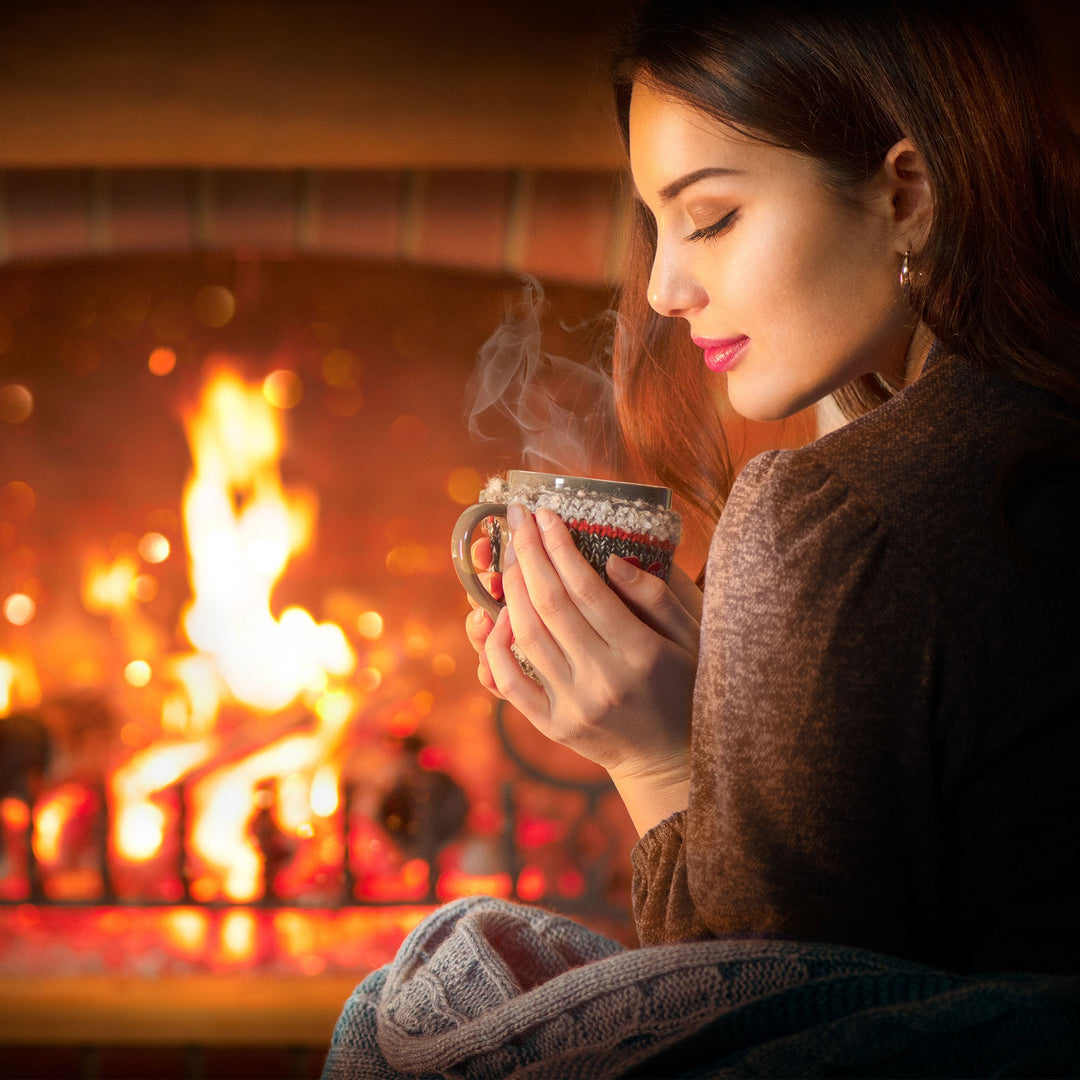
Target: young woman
[{"x": 869, "y": 733}]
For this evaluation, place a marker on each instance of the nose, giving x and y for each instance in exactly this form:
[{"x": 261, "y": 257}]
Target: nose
[{"x": 674, "y": 290}]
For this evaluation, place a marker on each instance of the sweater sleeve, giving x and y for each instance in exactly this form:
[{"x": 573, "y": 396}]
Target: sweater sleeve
[{"x": 812, "y": 799}]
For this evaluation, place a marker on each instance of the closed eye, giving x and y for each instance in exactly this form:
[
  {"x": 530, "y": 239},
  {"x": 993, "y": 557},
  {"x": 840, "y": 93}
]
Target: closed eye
[{"x": 715, "y": 229}]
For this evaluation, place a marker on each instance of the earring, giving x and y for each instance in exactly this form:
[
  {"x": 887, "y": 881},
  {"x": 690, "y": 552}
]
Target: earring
[{"x": 905, "y": 273}]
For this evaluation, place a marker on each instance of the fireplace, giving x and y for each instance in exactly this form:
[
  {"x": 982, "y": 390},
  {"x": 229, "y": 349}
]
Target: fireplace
[{"x": 243, "y": 743}]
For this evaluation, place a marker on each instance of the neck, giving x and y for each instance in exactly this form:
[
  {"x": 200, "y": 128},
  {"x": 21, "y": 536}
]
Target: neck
[{"x": 922, "y": 340}]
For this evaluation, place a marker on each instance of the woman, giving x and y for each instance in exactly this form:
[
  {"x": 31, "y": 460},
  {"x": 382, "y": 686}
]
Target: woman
[{"x": 868, "y": 734}]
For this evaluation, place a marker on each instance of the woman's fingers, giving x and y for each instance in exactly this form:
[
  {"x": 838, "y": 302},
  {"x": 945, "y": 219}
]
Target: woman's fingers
[
  {"x": 480, "y": 552},
  {"x": 654, "y": 603},
  {"x": 511, "y": 683},
  {"x": 478, "y": 624},
  {"x": 593, "y": 601},
  {"x": 548, "y": 624}
]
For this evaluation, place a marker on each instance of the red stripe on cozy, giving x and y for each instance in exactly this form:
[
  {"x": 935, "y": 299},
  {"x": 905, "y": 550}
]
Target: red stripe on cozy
[{"x": 619, "y": 534}]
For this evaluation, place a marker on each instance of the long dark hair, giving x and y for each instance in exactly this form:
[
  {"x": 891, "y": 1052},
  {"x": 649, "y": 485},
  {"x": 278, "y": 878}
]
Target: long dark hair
[{"x": 999, "y": 278}]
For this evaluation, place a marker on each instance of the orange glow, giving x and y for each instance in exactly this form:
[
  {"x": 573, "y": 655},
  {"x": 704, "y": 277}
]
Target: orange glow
[
  {"x": 283, "y": 389},
  {"x": 408, "y": 560},
  {"x": 17, "y": 499},
  {"x": 186, "y": 930},
  {"x": 138, "y": 673},
  {"x": 369, "y": 679},
  {"x": 16, "y": 403},
  {"x": 153, "y": 547},
  {"x": 144, "y": 588},
  {"x": 432, "y": 757},
  {"x": 463, "y": 485},
  {"x": 226, "y": 802},
  {"x": 214, "y": 306},
  {"x": 409, "y": 883},
  {"x": 162, "y": 360},
  {"x": 18, "y": 684},
  {"x": 295, "y": 932},
  {"x": 536, "y": 832},
  {"x": 444, "y": 665},
  {"x": 417, "y": 640},
  {"x": 370, "y": 625},
  {"x": 324, "y": 791},
  {"x": 532, "y": 883},
  {"x": 455, "y": 884},
  {"x": 51, "y": 814},
  {"x": 15, "y": 812},
  {"x": 238, "y": 936},
  {"x": 571, "y": 884},
  {"x": 138, "y": 823},
  {"x": 109, "y": 586},
  {"x": 19, "y": 609}
]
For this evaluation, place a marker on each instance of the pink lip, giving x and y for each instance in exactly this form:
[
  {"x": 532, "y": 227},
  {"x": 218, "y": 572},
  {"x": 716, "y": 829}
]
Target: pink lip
[{"x": 721, "y": 354}]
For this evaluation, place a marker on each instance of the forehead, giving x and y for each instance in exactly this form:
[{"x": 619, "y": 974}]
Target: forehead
[{"x": 670, "y": 138}]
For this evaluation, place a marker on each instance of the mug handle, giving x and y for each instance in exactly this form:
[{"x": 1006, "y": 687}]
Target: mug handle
[{"x": 461, "y": 553}]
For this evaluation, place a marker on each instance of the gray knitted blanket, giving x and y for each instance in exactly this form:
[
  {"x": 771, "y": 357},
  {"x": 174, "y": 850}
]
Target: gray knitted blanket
[{"x": 484, "y": 988}]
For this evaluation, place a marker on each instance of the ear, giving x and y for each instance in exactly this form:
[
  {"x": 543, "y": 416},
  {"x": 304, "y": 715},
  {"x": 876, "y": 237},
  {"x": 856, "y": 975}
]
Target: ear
[{"x": 911, "y": 200}]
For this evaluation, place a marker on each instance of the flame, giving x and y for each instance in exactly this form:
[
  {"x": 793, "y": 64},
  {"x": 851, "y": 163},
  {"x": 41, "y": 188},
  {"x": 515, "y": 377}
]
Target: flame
[
  {"x": 242, "y": 527},
  {"x": 19, "y": 686},
  {"x": 139, "y": 823},
  {"x": 51, "y": 814},
  {"x": 109, "y": 586}
]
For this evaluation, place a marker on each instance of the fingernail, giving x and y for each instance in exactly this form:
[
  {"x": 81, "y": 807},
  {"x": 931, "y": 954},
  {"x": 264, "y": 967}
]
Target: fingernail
[
  {"x": 545, "y": 518},
  {"x": 620, "y": 569},
  {"x": 511, "y": 555},
  {"x": 515, "y": 515}
]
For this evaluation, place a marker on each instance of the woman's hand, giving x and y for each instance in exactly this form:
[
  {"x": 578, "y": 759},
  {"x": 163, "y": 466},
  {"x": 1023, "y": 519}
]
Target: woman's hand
[{"x": 616, "y": 666}]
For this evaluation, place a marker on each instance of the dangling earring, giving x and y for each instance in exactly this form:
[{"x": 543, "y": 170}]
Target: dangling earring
[{"x": 905, "y": 273}]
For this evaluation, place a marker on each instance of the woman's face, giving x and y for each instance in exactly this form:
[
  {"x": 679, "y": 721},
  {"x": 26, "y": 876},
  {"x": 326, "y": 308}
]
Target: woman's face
[{"x": 789, "y": 290}]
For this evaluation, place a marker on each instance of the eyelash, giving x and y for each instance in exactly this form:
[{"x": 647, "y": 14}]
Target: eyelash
[{"x": 715, "y": 229}]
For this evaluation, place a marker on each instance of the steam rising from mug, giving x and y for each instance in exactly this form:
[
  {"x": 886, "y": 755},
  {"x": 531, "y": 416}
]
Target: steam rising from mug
[{"x": 559, "y": 412}]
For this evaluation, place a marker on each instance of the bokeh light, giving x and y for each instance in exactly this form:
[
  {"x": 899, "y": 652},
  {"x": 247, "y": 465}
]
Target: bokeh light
[
  {"x": 409, "y": 432},
  {"x": 153, "y": 547},
  {"x": 16, "y": 403},
  {"x": 17, "y": 499},
  {"x": 341, "y": 368},
  {"x": 214, "y": 306},
  {"x": 370, "y": 625},
  {"x": 138, "y": 673},
  {"x": 19, "y": 609},
  {"x": 443, "y": 664},
  {"x": 283, "y": 389},
  {"x": 162, "y": 360},
  {"x": 463, "y": 485},
  {"x": 145, "y": 588}
]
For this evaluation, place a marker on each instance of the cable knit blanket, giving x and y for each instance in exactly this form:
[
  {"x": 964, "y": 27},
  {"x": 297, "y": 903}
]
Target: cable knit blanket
[{"x": 484, "y": 988}]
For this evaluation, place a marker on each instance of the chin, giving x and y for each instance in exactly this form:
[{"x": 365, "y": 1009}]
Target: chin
[{"x": 767, "y": 403}]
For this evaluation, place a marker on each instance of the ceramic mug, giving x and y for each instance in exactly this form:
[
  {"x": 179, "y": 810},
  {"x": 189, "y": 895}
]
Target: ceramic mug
[{"x": 605, "y": 517}]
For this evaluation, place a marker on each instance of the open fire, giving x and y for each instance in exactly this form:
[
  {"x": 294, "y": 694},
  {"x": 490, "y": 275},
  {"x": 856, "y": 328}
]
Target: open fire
[{"x": 210, "y": 766}]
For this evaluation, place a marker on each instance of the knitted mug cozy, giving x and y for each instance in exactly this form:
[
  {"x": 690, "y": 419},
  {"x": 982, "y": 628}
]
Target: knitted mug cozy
[{"x": 600, "y": 523}]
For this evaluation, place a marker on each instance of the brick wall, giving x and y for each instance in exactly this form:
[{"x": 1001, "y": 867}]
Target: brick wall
[{"x": 566, "y": 226}]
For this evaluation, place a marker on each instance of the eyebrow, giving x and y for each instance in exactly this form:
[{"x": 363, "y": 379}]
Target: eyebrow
[{"x": 669, "y": 192}]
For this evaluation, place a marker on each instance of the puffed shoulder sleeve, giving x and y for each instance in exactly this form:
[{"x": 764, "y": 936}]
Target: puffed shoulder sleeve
[{"x": 812, "y": 796}]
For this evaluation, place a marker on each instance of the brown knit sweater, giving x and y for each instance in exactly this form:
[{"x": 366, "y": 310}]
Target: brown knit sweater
[{"x": 886, "y": 728}]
